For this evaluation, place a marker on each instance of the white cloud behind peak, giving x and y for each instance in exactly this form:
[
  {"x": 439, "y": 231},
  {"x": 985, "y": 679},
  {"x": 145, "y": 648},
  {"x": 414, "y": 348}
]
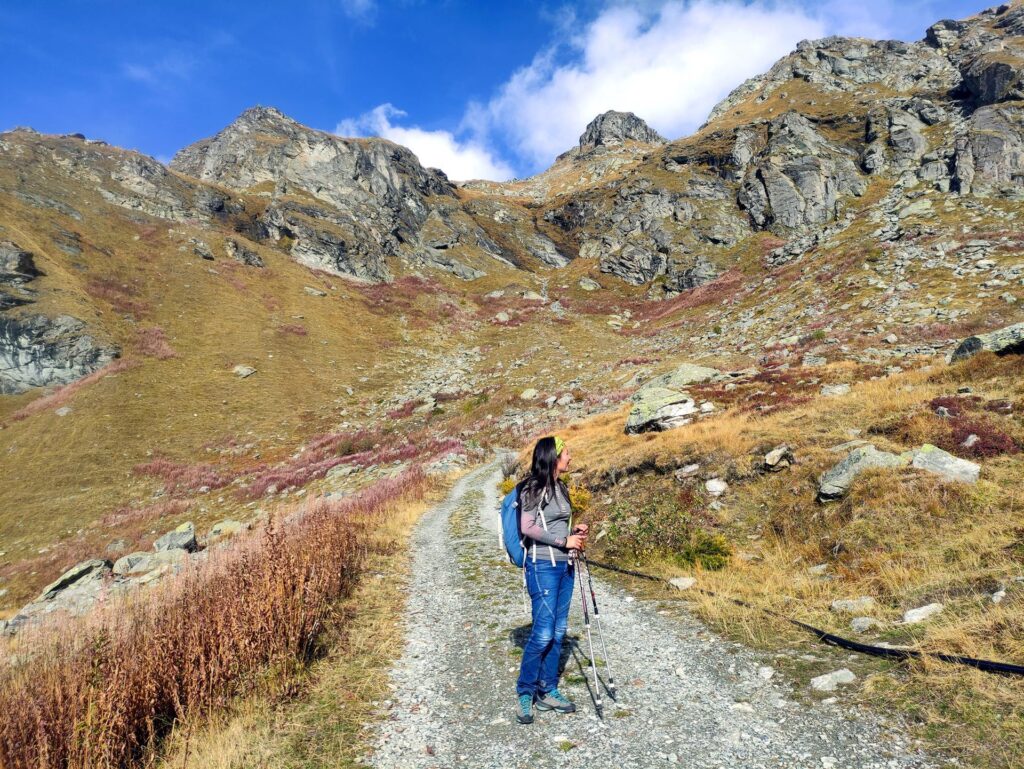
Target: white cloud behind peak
[
  {"x": 670, "y": 66},
  {"x": 459, "y": 159}
]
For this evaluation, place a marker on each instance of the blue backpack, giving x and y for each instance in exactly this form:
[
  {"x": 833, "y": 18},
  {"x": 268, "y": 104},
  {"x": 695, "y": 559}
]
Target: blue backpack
[{"x": 511, "y": 536}]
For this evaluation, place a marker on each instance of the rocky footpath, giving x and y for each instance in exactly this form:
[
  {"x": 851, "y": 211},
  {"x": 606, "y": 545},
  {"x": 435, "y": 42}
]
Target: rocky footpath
[{"x": 684, "y": 696}]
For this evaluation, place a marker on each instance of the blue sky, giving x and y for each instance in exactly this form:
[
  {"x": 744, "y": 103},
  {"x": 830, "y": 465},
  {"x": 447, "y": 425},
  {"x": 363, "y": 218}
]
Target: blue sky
[{"x": 488, "y": 88}]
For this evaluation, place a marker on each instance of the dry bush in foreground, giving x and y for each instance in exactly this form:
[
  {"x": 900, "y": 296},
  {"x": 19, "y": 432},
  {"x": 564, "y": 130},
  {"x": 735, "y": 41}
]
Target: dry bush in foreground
[{"x": 104, "y": 692}]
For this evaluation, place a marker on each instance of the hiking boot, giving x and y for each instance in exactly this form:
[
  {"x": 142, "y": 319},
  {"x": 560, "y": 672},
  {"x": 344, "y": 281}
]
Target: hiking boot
[
  {"x": 524, "y": 709},
  {"x": 555, "y": 700}
]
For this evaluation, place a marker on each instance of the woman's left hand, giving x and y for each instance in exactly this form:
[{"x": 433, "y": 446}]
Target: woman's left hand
[{"x": 581, "y": 528}]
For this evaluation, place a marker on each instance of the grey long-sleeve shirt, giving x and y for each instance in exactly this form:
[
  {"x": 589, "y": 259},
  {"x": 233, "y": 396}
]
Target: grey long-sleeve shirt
[{"x": 557, "y": 513}]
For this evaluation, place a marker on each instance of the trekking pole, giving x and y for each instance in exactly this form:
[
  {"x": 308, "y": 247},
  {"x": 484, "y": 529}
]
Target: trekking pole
[
  {"x": 590, "y": 640},
  {"x": 600, "y": 630}
]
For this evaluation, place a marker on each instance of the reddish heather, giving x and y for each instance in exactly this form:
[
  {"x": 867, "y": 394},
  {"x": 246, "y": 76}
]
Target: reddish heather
[
  {"x": 179, "y": 477},
  {"x": 153, "y": 343}
]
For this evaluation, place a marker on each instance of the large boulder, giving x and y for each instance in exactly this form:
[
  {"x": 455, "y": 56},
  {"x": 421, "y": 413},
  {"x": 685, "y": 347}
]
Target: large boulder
[
  {"x": 935, "y": 460},
  {"x": 836, "y": 481},
  {"x": 183, "y": 537},
  {"x": 659, "y": 409},
  {"x": 1002, "y": 341},
  {"x": 91, "y": 569}
]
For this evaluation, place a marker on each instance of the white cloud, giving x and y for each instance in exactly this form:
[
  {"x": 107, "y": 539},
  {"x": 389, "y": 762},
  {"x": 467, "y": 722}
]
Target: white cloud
[
  {"x": 440, "y": 149},
  {"x": 670, "y": 66},
  {"x": 359, "y": 10}
]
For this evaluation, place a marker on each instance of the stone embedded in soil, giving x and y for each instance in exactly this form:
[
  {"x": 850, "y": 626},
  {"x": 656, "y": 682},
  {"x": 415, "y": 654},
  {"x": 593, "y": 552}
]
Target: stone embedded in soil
[
  {"x": 922, "y": 613},
  {"x": 829, "y": 681}
]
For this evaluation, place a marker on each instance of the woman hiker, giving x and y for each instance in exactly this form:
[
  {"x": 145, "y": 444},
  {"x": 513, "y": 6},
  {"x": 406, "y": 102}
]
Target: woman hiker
[{"x": 545, "y": 522}]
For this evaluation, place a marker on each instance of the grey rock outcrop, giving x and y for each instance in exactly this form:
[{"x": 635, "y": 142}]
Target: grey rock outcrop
[
  {"x": 989, "y": 155},
  {"x": 799, "y": 178},
  {"x": 1003, "y": 341},
  {"x": 242, "y": 254},
  {"x": 372, "y": 194},
  {"x": 37, "y": 351},
  {"x": 995, "y": 76},
  {"x": 612, "y": 128}
]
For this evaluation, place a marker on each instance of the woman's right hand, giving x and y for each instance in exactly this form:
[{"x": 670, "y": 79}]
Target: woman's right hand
[{"x": 576, "y": 541}]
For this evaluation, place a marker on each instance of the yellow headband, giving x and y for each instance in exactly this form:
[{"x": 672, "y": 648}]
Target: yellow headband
[{"x": 559, "y": 445}]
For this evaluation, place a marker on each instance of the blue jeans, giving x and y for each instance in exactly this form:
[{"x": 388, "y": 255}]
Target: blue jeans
[{"x": 550, "y": 589}]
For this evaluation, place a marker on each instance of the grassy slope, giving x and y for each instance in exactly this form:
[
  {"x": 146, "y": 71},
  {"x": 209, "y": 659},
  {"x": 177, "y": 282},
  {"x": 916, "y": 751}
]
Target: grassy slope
[{"x": 903, "y": 537}]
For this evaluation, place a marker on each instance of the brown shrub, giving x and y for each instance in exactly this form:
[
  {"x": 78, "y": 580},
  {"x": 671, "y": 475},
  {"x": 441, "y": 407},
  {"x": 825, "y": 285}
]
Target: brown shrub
[{"x": 105, "y": 691}]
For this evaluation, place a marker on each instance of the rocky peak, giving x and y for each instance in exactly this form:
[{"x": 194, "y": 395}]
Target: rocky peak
[{"x": 613, "y": 128}]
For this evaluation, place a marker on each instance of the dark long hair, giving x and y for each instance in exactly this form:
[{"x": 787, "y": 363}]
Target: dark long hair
[{"x": 542, "y": 469}]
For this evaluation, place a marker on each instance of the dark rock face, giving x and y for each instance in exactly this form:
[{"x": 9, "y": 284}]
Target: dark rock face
[
  {"x": 613, "y": 128},
  {"x": 995, "y": 77},
  {"x": 36, "y": 351},
  {"x": 16, "y": 264}
]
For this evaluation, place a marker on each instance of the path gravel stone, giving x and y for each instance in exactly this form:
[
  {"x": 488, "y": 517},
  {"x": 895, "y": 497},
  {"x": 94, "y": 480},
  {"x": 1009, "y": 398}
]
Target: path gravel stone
[{"x": 686, "y": 697}]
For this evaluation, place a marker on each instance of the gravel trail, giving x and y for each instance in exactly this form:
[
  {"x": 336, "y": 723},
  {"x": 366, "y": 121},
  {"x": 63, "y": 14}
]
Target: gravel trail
[{"x": 686, "y": 697}]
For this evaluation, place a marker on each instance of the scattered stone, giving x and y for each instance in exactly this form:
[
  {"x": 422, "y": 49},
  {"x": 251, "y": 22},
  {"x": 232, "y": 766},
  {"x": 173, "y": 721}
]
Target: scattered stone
[
  {"x": 853, "y": 605},
  {"x": 528, "y": 394},
  {"x": 716, "y": 487},
  {"x": 999, "y": 595},
  {"x": 243, "y": 371},
  {"x": 922, "y": 613},
  {"x": 831, "y": 391},
  {"x": 589, "y": 284},
  {"x": 183, "y": 537},
  {"x": 687, "y": 471},
  {"x": 314, "y": 291},
  {"x": 864, "y": 624},
  {"x": 502, "y": 317},
  {"x": 829, "y": 681},
  {"x": 778, "y": 459},
  {"x": 682, "y": 583},
  {"x": 818, "y": 570}
]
